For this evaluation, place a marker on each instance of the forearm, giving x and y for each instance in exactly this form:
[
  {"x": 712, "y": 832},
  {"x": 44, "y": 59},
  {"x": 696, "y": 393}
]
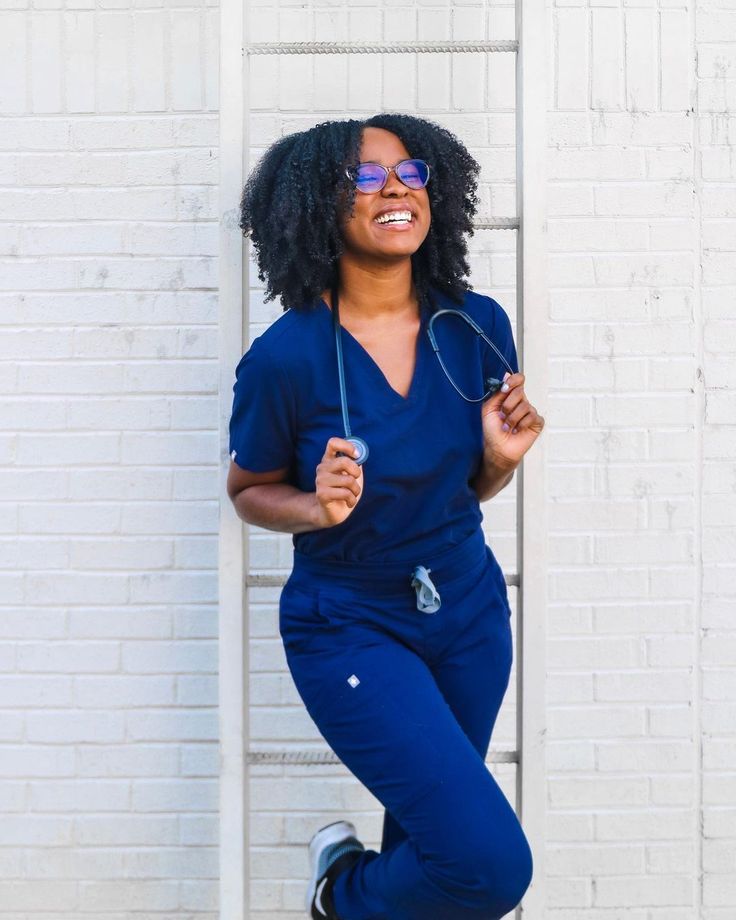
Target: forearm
[
  {"x": 490, "y": 479},
  {"x": 278, "y": 506}
]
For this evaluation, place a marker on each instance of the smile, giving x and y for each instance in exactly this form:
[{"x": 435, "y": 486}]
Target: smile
[{"x": 394, "y": 219}]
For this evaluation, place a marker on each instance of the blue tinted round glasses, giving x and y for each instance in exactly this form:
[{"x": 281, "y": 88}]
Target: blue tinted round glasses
[{"x": 371, "y": 177}]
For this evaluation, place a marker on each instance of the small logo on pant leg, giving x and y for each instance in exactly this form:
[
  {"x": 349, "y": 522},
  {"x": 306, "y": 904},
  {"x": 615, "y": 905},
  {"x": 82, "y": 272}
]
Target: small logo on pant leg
[{"x": 353, "y": 680}]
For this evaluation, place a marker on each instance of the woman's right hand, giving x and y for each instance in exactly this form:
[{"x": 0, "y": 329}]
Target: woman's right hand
[{"x": 339, "y": 483}]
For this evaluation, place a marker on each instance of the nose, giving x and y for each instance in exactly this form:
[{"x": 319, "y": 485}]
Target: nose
[{"x": 394, "y": 185}]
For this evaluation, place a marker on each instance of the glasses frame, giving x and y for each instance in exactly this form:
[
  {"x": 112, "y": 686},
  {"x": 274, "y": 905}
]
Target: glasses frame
[{"x": 387, "y": 170}]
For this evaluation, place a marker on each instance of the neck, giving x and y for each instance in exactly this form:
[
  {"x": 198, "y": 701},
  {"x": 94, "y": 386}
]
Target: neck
[{"x": 376, "y": 291}]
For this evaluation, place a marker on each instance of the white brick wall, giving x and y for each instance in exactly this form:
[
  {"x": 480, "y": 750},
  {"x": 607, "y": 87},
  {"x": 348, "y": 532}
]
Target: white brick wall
[
  {"x": 108, "y": 458},
  {"x": 641, "y": 575},
  {"x": 109, "y": 466}
]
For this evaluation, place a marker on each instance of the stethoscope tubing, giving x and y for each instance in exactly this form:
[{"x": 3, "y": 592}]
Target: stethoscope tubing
[
  {"x": 492, "y": 384},
  {"x": 358, "y": 443}
]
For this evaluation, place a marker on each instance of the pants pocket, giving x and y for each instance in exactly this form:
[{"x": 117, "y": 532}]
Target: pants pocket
[{"x": 301, "y": 615}]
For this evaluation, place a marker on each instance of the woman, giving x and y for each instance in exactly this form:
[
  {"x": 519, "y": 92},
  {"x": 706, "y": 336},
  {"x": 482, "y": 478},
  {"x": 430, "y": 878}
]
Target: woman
[{"x": 395, "y": 618}]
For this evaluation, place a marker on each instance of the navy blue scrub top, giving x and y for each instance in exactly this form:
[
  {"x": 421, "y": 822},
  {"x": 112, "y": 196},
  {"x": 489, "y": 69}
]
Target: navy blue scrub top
[{"x": 424, "y": 448}]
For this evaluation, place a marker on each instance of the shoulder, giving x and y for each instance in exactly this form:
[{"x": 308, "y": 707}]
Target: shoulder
[
  {"x": 287, "y": 340},
  {"x": 487, "y": 312}
]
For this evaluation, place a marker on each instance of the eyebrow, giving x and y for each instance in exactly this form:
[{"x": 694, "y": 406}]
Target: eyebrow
[{"x": 376, "y": 163}]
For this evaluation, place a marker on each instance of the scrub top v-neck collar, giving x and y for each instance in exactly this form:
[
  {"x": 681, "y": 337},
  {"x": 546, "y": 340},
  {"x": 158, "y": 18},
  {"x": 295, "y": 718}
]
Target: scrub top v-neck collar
[{"x": 395, "y": 397}]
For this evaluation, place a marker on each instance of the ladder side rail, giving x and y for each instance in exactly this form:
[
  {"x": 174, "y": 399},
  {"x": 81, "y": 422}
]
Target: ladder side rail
[
  {"x": 532, "y": 313},
  {"x": 233, "y": 567}
]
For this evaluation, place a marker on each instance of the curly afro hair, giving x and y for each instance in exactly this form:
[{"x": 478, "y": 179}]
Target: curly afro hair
[{"x": 294, "y": 199}]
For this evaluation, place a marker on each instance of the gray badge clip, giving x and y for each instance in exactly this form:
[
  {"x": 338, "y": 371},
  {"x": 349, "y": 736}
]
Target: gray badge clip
[{"x": 428, "y": 598}]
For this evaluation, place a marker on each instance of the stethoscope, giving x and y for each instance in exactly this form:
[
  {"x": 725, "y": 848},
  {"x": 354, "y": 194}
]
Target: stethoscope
[{"x": 492, "y": 383}]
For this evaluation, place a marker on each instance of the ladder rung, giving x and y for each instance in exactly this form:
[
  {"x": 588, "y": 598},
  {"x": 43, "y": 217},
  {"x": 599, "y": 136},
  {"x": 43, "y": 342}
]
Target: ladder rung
[
  {"x": 254, "y": 755},
  {"x": 373, "y": 48},
  {"x": 274, "y": 580},
  {"x": 497, "y": 223}
]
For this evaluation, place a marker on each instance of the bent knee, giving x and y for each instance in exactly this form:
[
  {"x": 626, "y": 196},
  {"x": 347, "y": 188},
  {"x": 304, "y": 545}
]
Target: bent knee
[
  {"x": 491, "y": 874},
  {"x": 504, "y": 872}
]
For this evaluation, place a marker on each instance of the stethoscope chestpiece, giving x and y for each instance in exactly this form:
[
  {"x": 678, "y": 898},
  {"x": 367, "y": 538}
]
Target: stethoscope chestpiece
[
  {"x": 362, "y": 450},
  {"x": 362, "y": 447}
]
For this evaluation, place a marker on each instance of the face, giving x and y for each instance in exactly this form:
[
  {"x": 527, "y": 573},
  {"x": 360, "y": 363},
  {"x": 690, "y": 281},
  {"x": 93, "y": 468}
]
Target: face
[{"x": 365, "y": 236}]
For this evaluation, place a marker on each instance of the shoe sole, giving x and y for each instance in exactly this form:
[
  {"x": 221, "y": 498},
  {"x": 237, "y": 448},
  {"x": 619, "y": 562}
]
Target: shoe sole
[{"x": 331, "y": 833}]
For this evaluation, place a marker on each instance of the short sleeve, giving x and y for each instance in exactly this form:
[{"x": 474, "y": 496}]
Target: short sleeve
[
  {"x": 503, "y": 339},
  {"x": 262, "y": 423}
]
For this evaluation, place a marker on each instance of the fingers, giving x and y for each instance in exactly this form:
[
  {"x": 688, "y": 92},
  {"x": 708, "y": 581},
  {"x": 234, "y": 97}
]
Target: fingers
[
  {"x": 513, "y": 399},
  {"x": 510, "y": 382},
  {"x": 515, "y": 409},
  {"x": 514, "y": 413},
  {"x": 341, "y": 465},
  {"x": 338, "y": 483},
  {"x": 339, "y": 445},
  {"x": 514, "y": 405},
  {"x": 529, "y": 419},
  {"x": 522, "y": 421},
  {"x": 338, "y": 478},
  {"x": 328, "y": 479},
  {"x": 339, "y": 495}
]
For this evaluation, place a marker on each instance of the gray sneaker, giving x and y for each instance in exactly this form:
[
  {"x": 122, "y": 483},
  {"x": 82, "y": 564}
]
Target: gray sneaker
[{"x": 332, "y": 849}]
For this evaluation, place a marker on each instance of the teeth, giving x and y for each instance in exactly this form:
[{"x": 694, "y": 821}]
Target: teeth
[{"x": 394, "y": 217}]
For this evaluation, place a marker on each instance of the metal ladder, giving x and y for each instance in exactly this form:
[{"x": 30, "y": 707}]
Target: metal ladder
[{"x": 235, "y": 576}]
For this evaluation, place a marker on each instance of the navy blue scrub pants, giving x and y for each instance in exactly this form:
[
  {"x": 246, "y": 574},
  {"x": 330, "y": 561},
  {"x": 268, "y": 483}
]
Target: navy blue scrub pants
[{"x": 408, "y": 700}]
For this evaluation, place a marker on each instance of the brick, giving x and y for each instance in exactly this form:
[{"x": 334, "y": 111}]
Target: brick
[
  {"x": 642, "y": 128},
  {"x": 664, "y": 890},
  {"x": 12, "y": 63},
  {"x": 46, "y": 62},
  {"x": 671, "y": 198},
  {"x": 79, "y": 61},
  {"x": 607, "y": 52},
  {"x": 156, "y": 725},
  {"x": 186, "y": 65},
  {"x": 600, "y": 860},
  {"x": 163, "y": 657},
  {"x": 572, "y": 59},
  {"x": 197, "y": 794},
  {"x": 131, "y": 895},
  {"x": 30, "y": 894},
  {"x": 589, "y": 722}
]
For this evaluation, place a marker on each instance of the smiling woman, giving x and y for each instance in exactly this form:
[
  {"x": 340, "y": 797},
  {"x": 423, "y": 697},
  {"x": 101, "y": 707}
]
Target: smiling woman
[
  {"x": 394, "y": 618},
  {"x": 396, "y": 222},
  {"x": 296, "y": 197}
]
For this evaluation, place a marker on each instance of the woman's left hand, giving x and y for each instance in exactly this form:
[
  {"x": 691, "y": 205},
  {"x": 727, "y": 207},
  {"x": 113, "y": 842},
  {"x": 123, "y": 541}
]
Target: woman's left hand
[{"x": 511, "y": 424}]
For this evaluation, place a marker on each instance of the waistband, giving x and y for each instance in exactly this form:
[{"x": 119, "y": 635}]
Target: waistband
[{"x": 395, "y": 577}]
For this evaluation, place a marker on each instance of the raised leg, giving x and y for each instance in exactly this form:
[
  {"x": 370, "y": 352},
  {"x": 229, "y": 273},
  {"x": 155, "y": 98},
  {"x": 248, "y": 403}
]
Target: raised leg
[{"x": 464, "y": 855}]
